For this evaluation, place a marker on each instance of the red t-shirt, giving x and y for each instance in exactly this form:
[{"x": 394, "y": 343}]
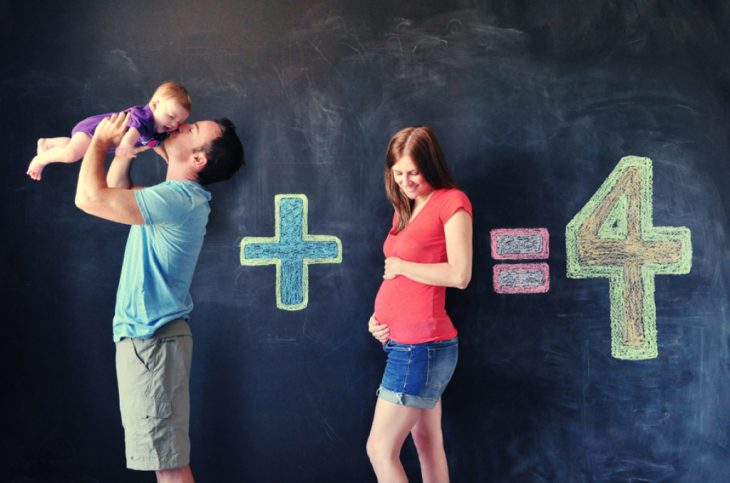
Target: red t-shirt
[{"x": 416, "y": 312}]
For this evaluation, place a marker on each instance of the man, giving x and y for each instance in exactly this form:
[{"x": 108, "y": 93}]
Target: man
[{"x": 153, "y": 339}]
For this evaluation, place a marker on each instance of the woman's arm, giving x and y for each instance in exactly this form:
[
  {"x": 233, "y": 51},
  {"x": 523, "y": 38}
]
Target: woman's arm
[{"x": 455, "y": 272}]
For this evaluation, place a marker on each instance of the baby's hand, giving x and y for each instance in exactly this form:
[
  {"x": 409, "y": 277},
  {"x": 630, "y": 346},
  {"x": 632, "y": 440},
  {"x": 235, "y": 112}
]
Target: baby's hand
[{"x": 124, "y": 151}]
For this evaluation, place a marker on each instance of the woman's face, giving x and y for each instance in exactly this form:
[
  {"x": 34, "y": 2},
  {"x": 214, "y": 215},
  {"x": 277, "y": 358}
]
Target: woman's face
[{"x": 409, "y": 178}]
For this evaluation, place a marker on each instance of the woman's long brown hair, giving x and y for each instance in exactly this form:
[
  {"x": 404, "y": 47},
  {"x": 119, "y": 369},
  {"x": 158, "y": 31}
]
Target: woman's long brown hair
[{"x": 418, "y": 142}]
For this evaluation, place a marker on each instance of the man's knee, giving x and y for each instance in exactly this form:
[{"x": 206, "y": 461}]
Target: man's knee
[{"x": 175, "y": 475}]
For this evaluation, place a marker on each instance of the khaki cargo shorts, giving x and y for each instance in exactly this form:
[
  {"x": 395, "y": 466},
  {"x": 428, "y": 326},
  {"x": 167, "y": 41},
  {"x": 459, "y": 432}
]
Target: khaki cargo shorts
[{"x": 153, "y": 377}]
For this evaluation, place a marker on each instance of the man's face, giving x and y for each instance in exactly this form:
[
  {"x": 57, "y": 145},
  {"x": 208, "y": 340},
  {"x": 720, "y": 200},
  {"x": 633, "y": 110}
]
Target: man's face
[{"x": 189, "y": 139}]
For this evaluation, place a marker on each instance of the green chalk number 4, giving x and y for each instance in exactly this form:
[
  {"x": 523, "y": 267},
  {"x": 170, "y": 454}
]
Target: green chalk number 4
[{"x": 613, "y": 236}]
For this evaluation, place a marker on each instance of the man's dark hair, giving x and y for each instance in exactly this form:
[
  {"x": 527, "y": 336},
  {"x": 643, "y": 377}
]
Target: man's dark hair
[{"x": 224, "y": 155}]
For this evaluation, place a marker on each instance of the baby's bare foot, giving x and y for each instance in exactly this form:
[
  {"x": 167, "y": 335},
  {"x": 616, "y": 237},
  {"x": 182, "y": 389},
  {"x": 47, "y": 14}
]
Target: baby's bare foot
[{"x": 34, "y": 169}]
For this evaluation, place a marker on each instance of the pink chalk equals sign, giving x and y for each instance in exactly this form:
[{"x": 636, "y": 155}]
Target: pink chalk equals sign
[{"x": 520, "y": 244}]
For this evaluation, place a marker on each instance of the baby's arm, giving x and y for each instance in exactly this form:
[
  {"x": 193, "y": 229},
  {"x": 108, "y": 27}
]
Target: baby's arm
[
  {"x": 126, "y": 146},
  {"x": 118, "y": 175}
]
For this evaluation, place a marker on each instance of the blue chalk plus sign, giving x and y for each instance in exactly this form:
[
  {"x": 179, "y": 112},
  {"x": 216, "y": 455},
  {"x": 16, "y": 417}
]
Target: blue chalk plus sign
[{"x": 292, "y": 250}]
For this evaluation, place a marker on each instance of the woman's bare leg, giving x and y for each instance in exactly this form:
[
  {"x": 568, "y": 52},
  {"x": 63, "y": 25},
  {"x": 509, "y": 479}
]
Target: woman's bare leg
[
  {"x": 429, "y": 440},
  {"x": 391, "y": 425}
]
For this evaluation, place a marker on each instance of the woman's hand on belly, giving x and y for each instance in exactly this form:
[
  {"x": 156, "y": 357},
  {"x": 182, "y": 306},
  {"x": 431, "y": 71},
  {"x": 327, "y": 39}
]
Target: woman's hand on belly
[
  {"x": 380, "y": 331},
  {"x": 392, "y": 268}
]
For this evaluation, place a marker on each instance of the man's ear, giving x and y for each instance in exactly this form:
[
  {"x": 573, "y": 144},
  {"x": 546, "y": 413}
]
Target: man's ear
[{"x": 200, "y": 159}]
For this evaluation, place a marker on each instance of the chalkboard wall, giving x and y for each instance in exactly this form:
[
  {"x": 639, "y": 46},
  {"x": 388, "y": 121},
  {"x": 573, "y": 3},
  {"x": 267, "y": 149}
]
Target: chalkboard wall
[{"x": 534, "y": 102}]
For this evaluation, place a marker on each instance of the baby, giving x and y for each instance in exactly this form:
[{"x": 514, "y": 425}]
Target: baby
[{"x": 148, "y": 126}]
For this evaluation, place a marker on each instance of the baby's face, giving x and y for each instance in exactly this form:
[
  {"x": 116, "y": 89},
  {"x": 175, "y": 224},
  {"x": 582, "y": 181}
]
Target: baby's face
[{"x": 168, "y": 114}]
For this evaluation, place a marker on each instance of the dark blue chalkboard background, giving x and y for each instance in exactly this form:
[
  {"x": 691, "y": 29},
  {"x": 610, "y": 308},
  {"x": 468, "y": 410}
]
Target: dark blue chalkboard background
[{"x": 534, "y": 102}]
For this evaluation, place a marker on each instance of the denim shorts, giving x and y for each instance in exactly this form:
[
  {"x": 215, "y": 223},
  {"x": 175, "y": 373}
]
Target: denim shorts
[{"x": 417, "y": 374}]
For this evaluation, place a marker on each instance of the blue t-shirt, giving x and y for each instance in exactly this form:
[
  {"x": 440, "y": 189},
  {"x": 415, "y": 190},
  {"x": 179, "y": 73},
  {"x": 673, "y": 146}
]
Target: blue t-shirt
[{"x": 160, "y": 258}]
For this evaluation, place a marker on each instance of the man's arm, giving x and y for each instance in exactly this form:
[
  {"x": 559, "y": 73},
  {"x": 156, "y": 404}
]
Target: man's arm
[
  {"x": 93, "y": 194},
  {"x": 118, "y": 175}
]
